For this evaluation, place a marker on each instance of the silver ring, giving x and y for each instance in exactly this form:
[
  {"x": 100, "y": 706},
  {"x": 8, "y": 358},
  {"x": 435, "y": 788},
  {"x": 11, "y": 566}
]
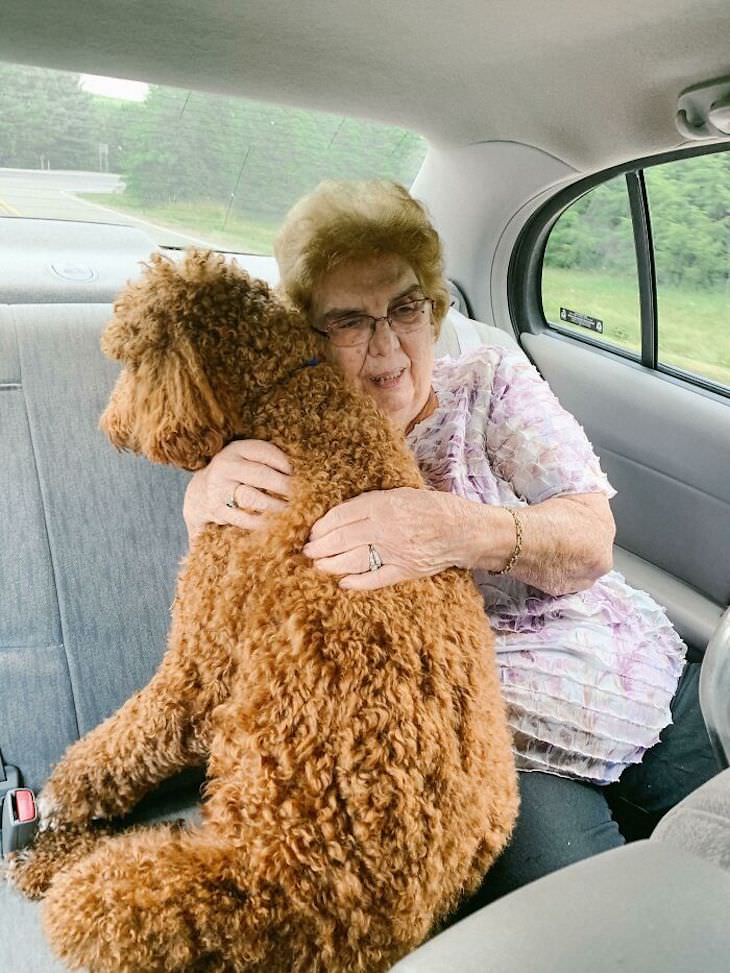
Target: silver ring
[
  {"x": 375, "y": 561},
  {"x": 231, "y": 501}
]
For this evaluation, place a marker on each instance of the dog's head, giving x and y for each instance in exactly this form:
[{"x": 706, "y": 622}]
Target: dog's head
[{"x": 200, "y": 342}]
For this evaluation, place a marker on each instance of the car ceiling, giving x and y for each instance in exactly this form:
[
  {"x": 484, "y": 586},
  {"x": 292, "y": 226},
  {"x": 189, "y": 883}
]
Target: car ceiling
[{"x": 593, "y": 82}]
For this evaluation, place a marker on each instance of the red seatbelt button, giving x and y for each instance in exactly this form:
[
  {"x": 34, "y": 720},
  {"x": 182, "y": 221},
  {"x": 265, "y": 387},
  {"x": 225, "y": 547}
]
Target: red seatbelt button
[{"x": 25, "y": 810}]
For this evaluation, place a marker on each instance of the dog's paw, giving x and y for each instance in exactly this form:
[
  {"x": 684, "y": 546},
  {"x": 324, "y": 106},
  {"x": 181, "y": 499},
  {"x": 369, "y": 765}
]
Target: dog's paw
[
  {"x": 31, "y": 870},
  {"x": 55, "y": 814},
  {"x": 49, "y": 811},
  {"x": 69, "y": 800},
  {"x": 25, "y": 875},
  {"x": 122, "y": 908}
]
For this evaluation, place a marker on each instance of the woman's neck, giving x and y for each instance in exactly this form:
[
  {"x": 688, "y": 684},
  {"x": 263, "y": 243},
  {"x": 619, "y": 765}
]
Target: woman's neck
[{"x": 427, "y": 409}]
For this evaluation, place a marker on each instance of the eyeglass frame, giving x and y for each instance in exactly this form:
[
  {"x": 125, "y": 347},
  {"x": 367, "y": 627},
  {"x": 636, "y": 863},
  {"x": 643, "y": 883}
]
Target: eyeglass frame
[{"x": 374, "y": 321}]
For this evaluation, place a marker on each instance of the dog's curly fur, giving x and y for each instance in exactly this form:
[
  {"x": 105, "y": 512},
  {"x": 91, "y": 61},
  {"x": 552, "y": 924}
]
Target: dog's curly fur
[{"x": 360, "y": 772}]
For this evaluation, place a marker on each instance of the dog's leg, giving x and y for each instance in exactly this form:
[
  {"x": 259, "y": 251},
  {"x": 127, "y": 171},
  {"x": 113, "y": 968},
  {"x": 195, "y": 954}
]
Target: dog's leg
[
  {"x": 162, "y": 729},
  {"x": 31, "y": 870},
  {"x": 102, "y": 776},
  {"x": 160, "y": 900}
]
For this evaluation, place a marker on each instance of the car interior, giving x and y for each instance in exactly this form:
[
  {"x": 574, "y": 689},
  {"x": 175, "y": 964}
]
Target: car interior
[{"x": 527, "y": 114}]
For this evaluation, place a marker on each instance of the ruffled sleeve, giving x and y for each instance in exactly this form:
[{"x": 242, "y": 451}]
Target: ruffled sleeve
[{"x": 532, "y": 442}]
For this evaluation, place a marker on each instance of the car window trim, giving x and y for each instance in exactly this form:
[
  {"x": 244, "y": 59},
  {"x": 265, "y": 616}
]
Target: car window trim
[{"x": 644, "y": 249}]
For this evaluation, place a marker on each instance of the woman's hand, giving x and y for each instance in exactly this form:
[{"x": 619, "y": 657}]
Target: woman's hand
[
  {"x": 416, "y": 533},
  {"x": 255, "y": 474}
]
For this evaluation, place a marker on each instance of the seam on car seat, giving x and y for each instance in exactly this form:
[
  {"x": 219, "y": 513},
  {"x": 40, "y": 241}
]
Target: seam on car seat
[
  {"x": 51, "y": 558},
  {"x": 14, "y": 646}
]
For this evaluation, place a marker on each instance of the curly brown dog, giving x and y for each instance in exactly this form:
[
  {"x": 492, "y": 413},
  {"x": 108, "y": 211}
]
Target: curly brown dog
[{"x": 360, "y": 773}]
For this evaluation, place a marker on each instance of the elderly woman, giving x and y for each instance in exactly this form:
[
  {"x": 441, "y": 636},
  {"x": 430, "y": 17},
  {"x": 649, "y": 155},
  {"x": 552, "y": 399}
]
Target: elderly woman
[{"x": 590, "y": 668}]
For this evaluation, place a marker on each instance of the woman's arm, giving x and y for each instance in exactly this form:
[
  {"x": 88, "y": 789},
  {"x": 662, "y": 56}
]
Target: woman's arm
[
  {"x": 543, "y": 453},
  {"x": 567, "y": 541}
]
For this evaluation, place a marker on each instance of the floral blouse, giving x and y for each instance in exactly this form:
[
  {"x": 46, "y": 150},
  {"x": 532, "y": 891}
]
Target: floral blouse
[{"x": 588, "y": 677}]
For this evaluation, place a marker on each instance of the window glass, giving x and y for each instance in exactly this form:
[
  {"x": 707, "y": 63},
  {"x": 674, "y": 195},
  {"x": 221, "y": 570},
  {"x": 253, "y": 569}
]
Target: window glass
[
  {"x": 689, "y": 206},
  {"x": 589, "y": 277},
  {"x": 189, "y": 166}
]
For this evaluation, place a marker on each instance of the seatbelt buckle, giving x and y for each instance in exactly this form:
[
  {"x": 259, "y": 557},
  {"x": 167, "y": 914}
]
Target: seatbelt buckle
[
  {"x": 18, "y": 812},
  {"x": 19, "y": 819}
]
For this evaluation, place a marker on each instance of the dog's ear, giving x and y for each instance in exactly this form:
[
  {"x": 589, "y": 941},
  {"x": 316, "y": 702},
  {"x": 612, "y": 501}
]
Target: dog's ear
[
  {"x": 164, "y": 408},
  {"x": 163, "y": 405},
  {"x": 117, "y": 419}
]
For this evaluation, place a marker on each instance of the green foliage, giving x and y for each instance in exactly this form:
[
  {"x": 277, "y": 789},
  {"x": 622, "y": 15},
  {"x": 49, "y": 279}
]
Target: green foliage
[
  {"x": 689, "y": 203},
  {"x": 112, "y": 120},
  {"x": 253, "y": 160},
  {"x": 46, "y": 120},
  {"x": 690, "y": 214},
  {"x": 595, "y": 233},
  {"x": 256, "y": 159}
]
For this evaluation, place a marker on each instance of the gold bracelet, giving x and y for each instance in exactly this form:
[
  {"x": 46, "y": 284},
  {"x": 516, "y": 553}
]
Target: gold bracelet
[{"x": 518, "y": 544}]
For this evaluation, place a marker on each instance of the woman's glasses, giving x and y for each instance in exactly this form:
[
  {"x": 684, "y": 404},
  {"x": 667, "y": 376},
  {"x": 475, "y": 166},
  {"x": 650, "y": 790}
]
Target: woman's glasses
[{"x": 357, "y": 329}]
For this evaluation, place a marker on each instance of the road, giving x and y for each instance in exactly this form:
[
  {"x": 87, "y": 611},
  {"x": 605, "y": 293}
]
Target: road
[{"x": 52, "y": 195}]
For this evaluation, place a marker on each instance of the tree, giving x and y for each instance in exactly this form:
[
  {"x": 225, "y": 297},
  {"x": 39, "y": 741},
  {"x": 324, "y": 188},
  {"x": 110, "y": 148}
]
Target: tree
[
  {"x": 46, "y": 120},
  {"x": 253, "y": 159},
  {"x": 689, "y": 209}
]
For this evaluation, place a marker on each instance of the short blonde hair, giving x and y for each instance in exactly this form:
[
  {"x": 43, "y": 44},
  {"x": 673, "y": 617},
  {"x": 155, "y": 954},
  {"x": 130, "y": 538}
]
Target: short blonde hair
[{"x": 342, "y": 221}]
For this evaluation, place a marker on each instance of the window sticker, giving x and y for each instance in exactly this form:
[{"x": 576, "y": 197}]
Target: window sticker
[{"x": 582, "y": 320}]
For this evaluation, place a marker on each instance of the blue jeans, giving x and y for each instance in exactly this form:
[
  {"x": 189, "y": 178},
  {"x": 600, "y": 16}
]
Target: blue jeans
[{"x": 562, "y": 821}]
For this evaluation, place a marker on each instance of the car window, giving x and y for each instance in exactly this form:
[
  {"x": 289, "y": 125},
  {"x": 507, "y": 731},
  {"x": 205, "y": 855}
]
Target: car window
[
  {"x": 689, "y": 206},
  {"x": 591, "y": 281},
  {"x": 188, "y": 166}
]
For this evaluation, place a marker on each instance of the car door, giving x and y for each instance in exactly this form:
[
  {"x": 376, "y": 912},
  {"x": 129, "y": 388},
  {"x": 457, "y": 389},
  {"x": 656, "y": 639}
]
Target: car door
[{"x": 620, "y": 289}]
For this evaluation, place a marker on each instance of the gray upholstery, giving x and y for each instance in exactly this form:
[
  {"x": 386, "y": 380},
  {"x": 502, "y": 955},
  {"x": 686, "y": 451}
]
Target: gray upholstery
[
  {"x": 643, "y": 908},
  {"x": 93, "y": 540},
  {"x": 24, "y": 949},
  {"x": 54, "y": 261},
  {"x": 49, "y": 261},
  {"x": 701, "y": 822},
  {"x": 715, "y": 690},
  {"x": 694, "y": 615},
  {"x": 33, "y": 669}
]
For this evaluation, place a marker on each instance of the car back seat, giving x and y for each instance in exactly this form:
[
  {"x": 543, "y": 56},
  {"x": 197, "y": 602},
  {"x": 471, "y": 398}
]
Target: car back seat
[{"x": 91, "y": 542}]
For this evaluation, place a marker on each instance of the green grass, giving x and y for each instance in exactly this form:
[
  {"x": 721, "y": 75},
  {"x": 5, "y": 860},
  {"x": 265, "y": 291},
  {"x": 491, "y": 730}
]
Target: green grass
[
  {"x": 204, "y": 219},
  {"x": 693, "y": 324}
]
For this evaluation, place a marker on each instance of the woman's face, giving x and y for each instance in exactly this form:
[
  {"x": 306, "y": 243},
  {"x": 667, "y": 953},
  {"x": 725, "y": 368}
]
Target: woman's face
[{"x": 395, "y": 371}]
